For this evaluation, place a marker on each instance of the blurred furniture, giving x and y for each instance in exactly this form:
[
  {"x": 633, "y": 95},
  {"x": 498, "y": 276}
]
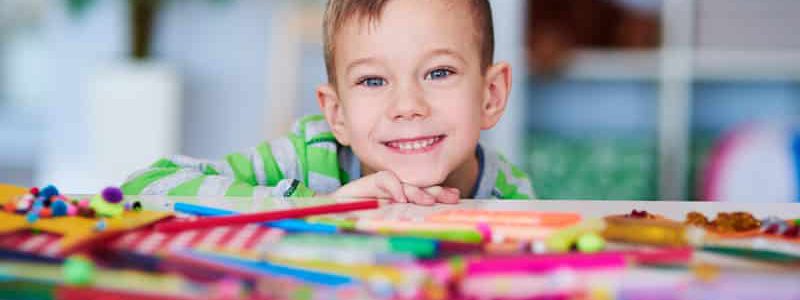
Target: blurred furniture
[{"x": 713, "y": 54}]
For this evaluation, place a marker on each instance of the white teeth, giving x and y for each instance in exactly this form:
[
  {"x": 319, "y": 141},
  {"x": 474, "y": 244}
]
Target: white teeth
[{"x": 415, "y": 145}]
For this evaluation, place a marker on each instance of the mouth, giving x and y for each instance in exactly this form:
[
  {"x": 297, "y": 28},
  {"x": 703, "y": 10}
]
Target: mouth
[{"x": 415, "y": 145}]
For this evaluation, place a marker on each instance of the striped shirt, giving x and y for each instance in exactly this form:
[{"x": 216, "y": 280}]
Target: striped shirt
[{"x": 307, "y": 161}]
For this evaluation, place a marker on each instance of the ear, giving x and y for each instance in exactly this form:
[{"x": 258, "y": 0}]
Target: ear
[
  {"x": 497, "y": 86},
  {"x": 332, "y": 109}
]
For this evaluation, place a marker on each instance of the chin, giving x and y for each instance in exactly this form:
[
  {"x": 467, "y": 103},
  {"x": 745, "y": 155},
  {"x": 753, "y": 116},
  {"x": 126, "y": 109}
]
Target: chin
[{"x": 420, "y": 178}]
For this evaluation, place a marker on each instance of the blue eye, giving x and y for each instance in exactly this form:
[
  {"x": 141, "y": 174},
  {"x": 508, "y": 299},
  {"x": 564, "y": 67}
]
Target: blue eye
[
  {"x": 372, "y": 82},
  {"x": 438, "y": 74}
]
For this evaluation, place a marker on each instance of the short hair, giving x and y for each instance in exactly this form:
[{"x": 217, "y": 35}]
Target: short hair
[{"x": 338, "y": 12}]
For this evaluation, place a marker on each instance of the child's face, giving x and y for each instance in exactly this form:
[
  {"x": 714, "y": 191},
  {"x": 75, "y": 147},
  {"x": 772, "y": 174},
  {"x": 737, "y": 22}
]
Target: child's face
[{"x": 410, "y": 96}]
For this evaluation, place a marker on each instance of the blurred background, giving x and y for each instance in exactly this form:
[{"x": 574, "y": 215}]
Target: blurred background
[{"x": 612, "y": 99}]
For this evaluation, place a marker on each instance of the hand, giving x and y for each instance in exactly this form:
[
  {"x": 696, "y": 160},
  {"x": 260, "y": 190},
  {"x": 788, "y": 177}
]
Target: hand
[{"x": 385, "y": 184}]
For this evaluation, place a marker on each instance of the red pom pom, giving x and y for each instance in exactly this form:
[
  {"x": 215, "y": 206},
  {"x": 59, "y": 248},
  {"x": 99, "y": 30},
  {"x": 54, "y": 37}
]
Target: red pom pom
[{"x": 35, "y": 191}]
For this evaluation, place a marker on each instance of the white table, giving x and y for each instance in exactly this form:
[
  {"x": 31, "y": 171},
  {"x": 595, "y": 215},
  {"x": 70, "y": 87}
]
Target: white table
[{"x": 589, "y": 209}]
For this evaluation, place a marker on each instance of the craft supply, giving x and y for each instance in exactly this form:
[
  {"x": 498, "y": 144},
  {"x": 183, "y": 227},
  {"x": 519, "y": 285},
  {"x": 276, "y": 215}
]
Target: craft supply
[
  {"x": 546, "y": 262},
  {"x": 590, "y": 243},
  {"x": 564, "y": 239},
  {"x": 104, "y": 208},
  {"x": 59, "y": 208},
  {"x": 659, "y": 232},
  {"x": 255, "y": 269},
  {"x": 446, "y": 232},
  {"x": 418, "y": 247},
  {"x": 498, "y": 217},
  {"x": 112, "y": 194},
  {"x": 78, "y": 270},
  {"x": 267, "y": 216},
  {"x": 289, "y": 225}
]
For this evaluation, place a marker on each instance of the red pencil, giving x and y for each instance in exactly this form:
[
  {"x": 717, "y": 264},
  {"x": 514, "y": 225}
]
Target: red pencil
[{"x": 267, "y": 216}]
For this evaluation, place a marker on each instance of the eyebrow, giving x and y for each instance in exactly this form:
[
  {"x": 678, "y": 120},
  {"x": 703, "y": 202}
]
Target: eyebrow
[
  {"x": 360, "y": 61},
  {"x": 446, "y": 52},
  {"x": 433, "y": 53}
]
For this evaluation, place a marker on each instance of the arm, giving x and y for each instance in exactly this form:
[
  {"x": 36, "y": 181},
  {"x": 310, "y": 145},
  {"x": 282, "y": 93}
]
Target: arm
[{"x": 252, "y": 173}]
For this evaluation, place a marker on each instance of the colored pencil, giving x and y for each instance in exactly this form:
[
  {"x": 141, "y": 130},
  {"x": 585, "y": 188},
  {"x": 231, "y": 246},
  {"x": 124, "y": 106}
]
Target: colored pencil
[
  {"x": 289, "y": 225},
  {"x": 267, "y": 216}
]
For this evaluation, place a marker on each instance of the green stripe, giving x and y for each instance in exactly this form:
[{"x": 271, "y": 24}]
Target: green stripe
[
  {"x": 300, "y": 149},
  {"x": 240, "y": 189},
  {"x": 507, "y": 190},
  {"x": 516, "y": 172},
  {"x": 323, "y": 161},
  {"x": 188, "y": 188},
  {"x": 135, "y": 186},
  {"x": 209, "y": 170},
  {"x": 164, "y": 163},
  {"x": 302, "y": 123},
  {"x": 242, "y": 168},
  {"x": 271, "y": 168},
  {"x": 323, "y": 137}
]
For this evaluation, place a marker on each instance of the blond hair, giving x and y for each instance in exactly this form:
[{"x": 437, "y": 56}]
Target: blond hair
[{"x": 338, "y": 12}]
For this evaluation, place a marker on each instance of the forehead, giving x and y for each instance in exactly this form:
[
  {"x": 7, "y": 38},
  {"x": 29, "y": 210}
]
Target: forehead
[{"x": 409, "y": 28}]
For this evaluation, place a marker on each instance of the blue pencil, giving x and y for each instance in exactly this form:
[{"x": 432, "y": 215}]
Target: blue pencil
[
  {"x": 266, "y": 268},
  {"x": 289, "y": 225}
]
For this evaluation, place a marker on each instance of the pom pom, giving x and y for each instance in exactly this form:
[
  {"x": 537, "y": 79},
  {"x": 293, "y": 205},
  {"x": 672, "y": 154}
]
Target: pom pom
[
  {"x": 100, "y": 225},
  {"x": 48, "y": 192},
  {"x": 59, "y": 208},
  {"x": 83, "y": 203},
  {"x": 78, "y": 271},
  {"x": 34, "y": 191},
  {"x": 112, "y": 194},
  {"x": 45, "y": 212},
  {"x": 72, "y": 210},
  {"x": 32, "y": 217},
  {"x": 106, "y": 209}
]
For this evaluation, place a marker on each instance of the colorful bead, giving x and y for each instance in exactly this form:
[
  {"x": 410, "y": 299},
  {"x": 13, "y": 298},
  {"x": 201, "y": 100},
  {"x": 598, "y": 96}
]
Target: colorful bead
[
  {"x": 106, "y": 209},
  {"x": 100, "y": 225},
  {"x": 48, "y": 192},
  {"x": 72, "y": 210},
  {"x": 78, "y": 271},
  {"x": 83, "y": 203},
  {"x": 45, "y": 212},
  {"x": 59, "y": 208},
  {"x": 32, "y": 217},
  {"x": 112, "y": 194},
  {"x": 590, "y": 242}
]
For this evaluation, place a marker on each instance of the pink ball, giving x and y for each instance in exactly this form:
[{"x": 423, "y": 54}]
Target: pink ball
[
  {"x": 72, "y": 210},
  {"x": 83, "y": 203}
]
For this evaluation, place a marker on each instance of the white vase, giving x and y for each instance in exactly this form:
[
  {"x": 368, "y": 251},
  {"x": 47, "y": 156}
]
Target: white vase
[{"x": 133, "y": 117}]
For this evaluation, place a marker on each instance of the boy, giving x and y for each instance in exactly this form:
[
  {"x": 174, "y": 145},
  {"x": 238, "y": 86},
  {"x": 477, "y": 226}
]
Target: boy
[{"x": 411, "y": 85}]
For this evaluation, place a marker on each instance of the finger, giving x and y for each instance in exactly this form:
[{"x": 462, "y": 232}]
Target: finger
[
  {"x": 449, "y": 196},
  {"x": 390, "y": 184},
  {"x": 417, "y": 195}
]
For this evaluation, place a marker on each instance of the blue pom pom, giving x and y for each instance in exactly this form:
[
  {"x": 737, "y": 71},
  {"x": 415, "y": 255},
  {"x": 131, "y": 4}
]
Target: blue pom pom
[
  {"x": 32, "y": 217},
  {"x": 112, "y": 194},
  {"x": 59, "y": 208},
  {"x": 48, "y": 192}
]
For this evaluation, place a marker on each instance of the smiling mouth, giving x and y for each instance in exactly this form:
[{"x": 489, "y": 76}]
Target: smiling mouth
[{"x": 415, "y": 145}]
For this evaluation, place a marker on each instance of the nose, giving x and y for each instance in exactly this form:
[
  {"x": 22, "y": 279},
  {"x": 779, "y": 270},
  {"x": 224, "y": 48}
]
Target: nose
[{"x": 409, "y": 103}]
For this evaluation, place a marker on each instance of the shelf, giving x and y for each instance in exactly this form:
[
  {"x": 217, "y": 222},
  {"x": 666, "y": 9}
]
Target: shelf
[
  {"x": 747, "y": 65},
  {"x": 707, "y": 65},
  {"x": 614, "y": 65}
]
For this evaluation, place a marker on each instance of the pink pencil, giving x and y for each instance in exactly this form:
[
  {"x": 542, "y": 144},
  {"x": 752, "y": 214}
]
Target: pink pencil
[
  {"x": 546, "y": 262},
  {"x": 267, "y": 216}
]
